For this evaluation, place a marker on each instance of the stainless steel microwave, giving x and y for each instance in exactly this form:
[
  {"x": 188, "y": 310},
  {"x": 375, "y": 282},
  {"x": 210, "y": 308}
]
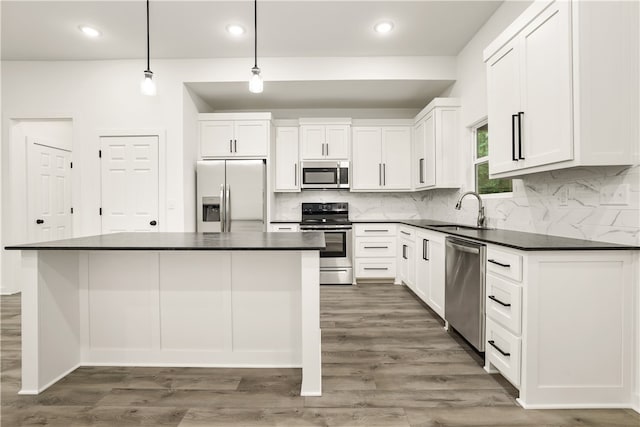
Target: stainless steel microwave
[{"x": 325, "y": 174}]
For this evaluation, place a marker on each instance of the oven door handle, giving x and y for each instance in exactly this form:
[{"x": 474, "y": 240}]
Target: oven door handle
[{"x": 320, "y": 228}]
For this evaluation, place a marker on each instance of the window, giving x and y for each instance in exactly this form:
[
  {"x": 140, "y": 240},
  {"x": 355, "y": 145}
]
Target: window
[{"x": 484, "y": 185}]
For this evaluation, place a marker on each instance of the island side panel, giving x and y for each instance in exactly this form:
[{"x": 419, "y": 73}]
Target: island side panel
[
  {"x": 50, "y": 318},
  {"x": 311, "y": 333}
]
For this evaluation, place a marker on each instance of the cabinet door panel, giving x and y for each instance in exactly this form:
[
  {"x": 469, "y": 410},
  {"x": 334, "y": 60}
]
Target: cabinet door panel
[
  {"x": 216, "y": 138},
  {"x": 251, "y": 138},
  {"x": 423, "y": 267},
  {"x": 503, "y": 85},
  {"x": 367, "y": 162},
  {"x": 429, "y": 150},
  {"x": 312, "y": 142},
  {"x": 436, "y": 253},
  {"x": 546, "y": 90},
  {"x": 337, "y": 139},
  {"x": 286, "y": 161},
  {"x": 418, "y": 157},
  {"x": 396, "y": 157}
]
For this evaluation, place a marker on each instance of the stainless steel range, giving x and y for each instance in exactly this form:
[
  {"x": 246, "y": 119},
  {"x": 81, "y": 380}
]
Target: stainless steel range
[{"x": 336, "y": 266}]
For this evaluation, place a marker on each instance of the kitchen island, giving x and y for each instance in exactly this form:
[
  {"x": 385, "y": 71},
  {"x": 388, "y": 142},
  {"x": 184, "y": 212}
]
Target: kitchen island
[{"x": 171, "y": 299}]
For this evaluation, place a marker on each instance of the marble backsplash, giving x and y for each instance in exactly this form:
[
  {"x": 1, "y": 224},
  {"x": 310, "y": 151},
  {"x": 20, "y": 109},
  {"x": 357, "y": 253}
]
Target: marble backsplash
[{"x": 561, "y": 203}]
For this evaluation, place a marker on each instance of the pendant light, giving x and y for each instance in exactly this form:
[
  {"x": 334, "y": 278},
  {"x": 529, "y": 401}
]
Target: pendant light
[
  {"x": 255, "y": 83},
  {"x": 148, "y": 86}
]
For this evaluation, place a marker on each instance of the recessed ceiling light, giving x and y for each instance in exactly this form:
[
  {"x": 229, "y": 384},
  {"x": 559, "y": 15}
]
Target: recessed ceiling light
[
  {"x": 235, "y": 29},
  {"x": 383, "y": 27},
  {"x": 89, "y": 31}
]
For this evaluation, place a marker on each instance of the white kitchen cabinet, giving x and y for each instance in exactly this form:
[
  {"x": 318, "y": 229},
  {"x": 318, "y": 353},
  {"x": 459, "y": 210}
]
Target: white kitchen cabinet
[
  {"x": 435, "y": 144},
  {"x": 288, "y": 227},
  {"x": 406, "y": 256},
  {"x": 381, "y": 158},
  {"x": 231, "y": 135},
  {"x": 552, "y": 316},
  {"x": 430, "y": 268},
  {"x": 548, "y": 108},
  {"x": 324, "y": 139},
  {"x": 287, "y": 163},
  {"x": 375, "y": 251}
]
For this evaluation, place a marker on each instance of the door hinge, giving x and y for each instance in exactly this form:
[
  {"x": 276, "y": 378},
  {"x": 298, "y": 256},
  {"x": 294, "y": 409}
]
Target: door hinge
[
  {"x": 100, "y": 153},
  {"x": 100, "y": 211},
  {"x": 71, "y": 210}
]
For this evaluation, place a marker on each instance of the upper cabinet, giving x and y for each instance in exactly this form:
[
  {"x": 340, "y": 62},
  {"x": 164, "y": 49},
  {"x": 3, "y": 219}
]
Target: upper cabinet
[
  {"x": 287, "y": 165},
  {"x": 234, "y": 135},
  {"x": 381, "y": 158},
  {"x": 549, "y": 102},
  {"x": 325, "y": 139},
  {"x": 435, "y": 139}
]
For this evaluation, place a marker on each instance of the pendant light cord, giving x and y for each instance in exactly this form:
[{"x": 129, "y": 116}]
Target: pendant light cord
[
  {"x": 255, "y": 33},
  {"x": 148, "y": 51}
]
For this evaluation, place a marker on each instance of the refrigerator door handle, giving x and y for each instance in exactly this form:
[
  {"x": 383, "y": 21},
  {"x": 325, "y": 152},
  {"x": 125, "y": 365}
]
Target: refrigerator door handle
[
  {"x": 223, "y": 209},
  {"x": 227, "y": 206}
]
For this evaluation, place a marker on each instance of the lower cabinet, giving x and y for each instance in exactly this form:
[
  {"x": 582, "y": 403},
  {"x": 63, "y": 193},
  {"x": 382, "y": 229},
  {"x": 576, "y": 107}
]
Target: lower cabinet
[
  {"x": 406, "y": 257},
  {"x": 375, "y": 251},
  {"x": 430, "y": 268},
  {"x": 559, "y": 325},
  {"x": 290, "y": 227}
]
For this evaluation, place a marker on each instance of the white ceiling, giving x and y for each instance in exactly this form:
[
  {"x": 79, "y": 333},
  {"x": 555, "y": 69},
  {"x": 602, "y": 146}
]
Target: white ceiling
[{"x": 48, "y": 30}]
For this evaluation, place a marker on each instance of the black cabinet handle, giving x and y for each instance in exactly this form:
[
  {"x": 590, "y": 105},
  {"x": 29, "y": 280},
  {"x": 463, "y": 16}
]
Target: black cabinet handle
[
  {"x": 376, "y": 247},
  {"x": 231, "y": 145},
  {"x": 520, "y": 156},
  {"x": 404, "y": 251},
  {"x": 404, "y": 232},
  {"x": 376, "y": 231},
  {"x": 493, "y": 298},
  {"x": 235, "y": 145},
  {"x": 421, "y": 166},
  {"x": 154, "y": 222},
  {"x": 513, "y": 138},
  {"x": 493, "y": 261},
  {"x": 39, "y": 221},
  {"x": 425, "y": 249},
  {"x": 376, "y": 268},
  {"x": 493, "y": 344}
]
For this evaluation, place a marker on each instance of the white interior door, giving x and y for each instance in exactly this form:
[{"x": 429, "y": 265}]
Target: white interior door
[
  {"x": 130, "y": 189},
  {"x": 49, "y": 192}
]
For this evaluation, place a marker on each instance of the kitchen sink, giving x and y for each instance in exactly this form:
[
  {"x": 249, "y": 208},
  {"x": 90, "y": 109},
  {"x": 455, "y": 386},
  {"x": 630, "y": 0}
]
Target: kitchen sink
[{"x": 453, "y": 227}]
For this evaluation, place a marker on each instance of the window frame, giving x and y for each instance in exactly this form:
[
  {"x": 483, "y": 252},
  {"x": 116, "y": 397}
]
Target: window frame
[{"x": 479, "y": 160}]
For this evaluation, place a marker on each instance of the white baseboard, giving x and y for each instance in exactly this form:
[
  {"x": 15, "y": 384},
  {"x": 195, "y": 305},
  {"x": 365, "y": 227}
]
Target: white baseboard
[
  {"x": 573, "y": 405},
  {"x": 636, "y": 402}
]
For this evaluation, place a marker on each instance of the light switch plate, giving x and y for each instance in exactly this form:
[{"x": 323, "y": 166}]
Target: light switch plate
[{"x": 614, "y": 195}]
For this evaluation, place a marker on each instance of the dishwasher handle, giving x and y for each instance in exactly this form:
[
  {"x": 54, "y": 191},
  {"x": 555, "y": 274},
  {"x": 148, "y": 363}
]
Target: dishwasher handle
[{"x": 464, "y": 248}]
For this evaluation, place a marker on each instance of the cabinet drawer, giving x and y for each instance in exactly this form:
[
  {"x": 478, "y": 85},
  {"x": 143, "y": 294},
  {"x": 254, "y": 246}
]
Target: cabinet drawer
[
  {"x": 293, "y": 227},
  {"x": 375, "y": 247},
  {"x": 375, "y": 268},
  {"x": 503, "y": 351},
  {"x": 406, "y": 232},
  {"x": 375, "y": 229},
  {"x": 504, "y": 303},
  {"x": 504, "y": 263}
]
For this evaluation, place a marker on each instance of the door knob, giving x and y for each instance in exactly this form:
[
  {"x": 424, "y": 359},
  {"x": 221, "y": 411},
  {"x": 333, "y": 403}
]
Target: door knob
[
  {"x": 154, "y": 222},
  {"x": 39, "y": 221}
]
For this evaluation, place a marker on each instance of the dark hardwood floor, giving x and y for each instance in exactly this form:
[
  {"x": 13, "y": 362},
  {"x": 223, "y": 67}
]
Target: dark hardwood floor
[{"x": 386, "y": 362}]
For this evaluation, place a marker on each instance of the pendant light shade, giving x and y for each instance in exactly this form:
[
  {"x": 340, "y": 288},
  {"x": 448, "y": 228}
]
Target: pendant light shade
[
  {"x": 255, "y": 83},
  {"x": 148, "y": 86}
]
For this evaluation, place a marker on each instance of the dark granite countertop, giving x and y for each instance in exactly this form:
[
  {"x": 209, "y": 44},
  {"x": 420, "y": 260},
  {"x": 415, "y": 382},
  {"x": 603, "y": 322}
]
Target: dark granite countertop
[
  {"x": 185, "y": 242},
  {"x": 512, "y": 239}
]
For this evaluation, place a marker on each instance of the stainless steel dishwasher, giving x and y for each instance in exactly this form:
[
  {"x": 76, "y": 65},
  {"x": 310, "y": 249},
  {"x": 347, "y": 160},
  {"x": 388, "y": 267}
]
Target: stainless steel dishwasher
[{"x": 465, "y": 289}]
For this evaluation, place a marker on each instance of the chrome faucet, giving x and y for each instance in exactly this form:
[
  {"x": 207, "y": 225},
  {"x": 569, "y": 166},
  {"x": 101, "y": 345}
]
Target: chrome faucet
[{"x": 481, "y": 217}]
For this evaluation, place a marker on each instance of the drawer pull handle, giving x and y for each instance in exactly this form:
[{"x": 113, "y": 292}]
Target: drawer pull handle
[
  {"x": 404, "y": 232},
  {"x": 376, "y": 268},
  {"x": 284, "y": 228},
  {"x": 376, "y": 247},
  {"x": 493, "y": 344},
  {"x": 376, "y": 231},
  {"x": 493, "y": 261},
  {"x": 504, "y": 304}
]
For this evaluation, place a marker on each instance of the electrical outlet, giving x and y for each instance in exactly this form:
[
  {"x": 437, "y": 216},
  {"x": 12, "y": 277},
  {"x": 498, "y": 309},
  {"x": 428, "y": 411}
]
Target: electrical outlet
[
  {"x": 563, "y": 196},
  {"x": 614, "y": 195}
]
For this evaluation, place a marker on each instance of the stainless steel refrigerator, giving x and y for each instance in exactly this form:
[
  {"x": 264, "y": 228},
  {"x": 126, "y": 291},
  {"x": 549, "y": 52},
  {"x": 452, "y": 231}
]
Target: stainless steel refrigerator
[{"x": 231, "y": 195}]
